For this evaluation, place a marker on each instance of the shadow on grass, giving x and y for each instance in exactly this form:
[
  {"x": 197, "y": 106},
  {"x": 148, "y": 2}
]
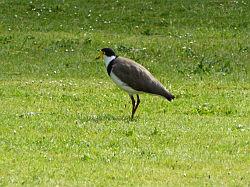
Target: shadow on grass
[{"x": 106, "y": 117}]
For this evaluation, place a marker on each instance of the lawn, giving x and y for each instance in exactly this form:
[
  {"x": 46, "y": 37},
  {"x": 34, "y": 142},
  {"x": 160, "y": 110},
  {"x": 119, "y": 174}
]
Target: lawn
[{"x": 64, "y": 122}]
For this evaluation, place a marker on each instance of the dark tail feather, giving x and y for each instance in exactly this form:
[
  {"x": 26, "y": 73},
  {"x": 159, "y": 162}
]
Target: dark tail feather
[{"x": 168, "y": 96}]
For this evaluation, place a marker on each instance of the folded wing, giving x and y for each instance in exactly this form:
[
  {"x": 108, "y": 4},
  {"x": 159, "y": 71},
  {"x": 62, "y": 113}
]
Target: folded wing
[{"x": 139, "y": 78}]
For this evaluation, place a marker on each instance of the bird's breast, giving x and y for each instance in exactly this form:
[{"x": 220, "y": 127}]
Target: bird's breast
[{"x": 122, "y": 84}]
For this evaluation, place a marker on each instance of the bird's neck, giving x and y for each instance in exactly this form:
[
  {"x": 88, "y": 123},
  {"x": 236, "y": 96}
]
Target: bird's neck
[{"x": 108, "y": 59}]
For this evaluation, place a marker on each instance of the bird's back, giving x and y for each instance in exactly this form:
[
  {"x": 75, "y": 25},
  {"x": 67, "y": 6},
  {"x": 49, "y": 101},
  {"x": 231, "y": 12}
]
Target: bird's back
[{"x": 139, "y": 78}]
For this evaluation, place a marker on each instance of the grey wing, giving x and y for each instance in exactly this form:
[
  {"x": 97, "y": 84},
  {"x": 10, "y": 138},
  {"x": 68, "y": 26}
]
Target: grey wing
[{"x": 138, "y": 77}]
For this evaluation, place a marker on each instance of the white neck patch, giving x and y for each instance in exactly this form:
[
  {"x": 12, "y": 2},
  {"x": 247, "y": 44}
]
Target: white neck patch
[{"x": 108, "y": 59}]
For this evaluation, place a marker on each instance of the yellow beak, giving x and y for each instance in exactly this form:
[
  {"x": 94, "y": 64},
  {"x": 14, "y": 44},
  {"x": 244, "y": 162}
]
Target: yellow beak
[{"x": 100, "y": 55}]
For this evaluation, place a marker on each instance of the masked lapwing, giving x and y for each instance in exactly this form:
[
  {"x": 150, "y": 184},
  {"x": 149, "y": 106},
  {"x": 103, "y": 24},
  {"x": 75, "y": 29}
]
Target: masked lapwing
[{"x": 132, "y": 77}]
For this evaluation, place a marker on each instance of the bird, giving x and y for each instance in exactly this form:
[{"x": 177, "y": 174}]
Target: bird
[{"x": 132, "y": 77}]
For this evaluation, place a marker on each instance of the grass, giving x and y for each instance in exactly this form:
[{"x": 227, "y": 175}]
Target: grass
[{"x": 63, "y": 122}]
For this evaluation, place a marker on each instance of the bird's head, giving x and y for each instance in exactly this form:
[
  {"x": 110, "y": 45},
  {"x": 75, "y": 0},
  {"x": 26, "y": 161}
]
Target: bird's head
[{"x": 106, "y": 52}]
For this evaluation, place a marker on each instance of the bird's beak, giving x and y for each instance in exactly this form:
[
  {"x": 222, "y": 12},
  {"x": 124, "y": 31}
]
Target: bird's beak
[{"x": 100, "y": 55}]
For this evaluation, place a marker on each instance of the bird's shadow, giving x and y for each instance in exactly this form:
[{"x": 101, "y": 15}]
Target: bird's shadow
[{"x": 106, "y": 117}]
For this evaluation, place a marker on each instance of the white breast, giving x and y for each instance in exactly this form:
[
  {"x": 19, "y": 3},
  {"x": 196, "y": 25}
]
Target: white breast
[{"x": 122, "y": 85}]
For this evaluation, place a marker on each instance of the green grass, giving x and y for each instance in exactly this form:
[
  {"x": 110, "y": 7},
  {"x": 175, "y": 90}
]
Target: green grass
[{"x": 63, "y": 122}]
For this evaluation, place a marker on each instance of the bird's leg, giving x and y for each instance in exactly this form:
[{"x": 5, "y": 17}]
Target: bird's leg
[
  {"x": 137, "y": 103},
  {"x": 133, "y": 105}
]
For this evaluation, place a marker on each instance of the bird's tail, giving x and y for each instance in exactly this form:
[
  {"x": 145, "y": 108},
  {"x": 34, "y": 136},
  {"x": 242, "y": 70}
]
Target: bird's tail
[{"x": 168, "y": 95}]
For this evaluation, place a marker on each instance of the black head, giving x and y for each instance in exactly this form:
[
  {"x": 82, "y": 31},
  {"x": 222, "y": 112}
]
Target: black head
[{"x": 108, "y": 52}]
